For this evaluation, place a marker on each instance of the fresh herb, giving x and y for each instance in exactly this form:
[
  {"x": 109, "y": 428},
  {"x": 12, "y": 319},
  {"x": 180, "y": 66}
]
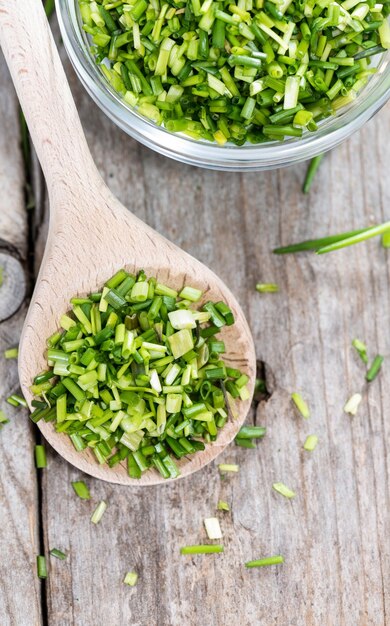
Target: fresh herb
[
  {"x": 11, "y": 353},
  {"x": 267, "y": 287},
  {"x": 236, "y": 73},
  {"x": 213, "y": 528},
  {"x": 223, "y": 506},
  {"x": 98, "y": 512},
  {"x": 386, "y": 239},
  {"x": 374, "y": 368},
  {"x": 270, "y": 560},
  {"x": 16, "y": 400},
  {"x": 202, "y": 549},
  {"x": 311, "y": 172},
  {"x": 49, "y": 7},
  {"x": 58, "y": 554},
  {"x": 301, "y": 405},
  {"x": 40, "y": 457},
  {"x": 247, "y": 433},
  {"x": 41, "y": 567},
  {"x": 336, "y": 242},
  {"x": 351, "y": 406},
  {"x": 3, "y": 419},
  {"x": 226, "y": 467},
  {"x": 81, "y": 489},
  {"x": 138, "y": 376},
  {"x": 310, "y": 443},
  {"x": 284, "y": 490},
  {"x": 361, "y": 349},
  {"x": 131, "y": 579}
]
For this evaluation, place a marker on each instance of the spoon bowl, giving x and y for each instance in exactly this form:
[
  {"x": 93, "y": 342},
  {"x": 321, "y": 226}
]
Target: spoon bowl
[{"x": 91, "y": 234}]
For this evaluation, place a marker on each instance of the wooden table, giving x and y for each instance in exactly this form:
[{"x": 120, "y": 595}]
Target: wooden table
[{"x": 335, "y": 534}]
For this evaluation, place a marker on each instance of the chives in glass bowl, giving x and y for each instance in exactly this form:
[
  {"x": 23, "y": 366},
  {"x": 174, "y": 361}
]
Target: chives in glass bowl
[{"x": 269, "y": 120}]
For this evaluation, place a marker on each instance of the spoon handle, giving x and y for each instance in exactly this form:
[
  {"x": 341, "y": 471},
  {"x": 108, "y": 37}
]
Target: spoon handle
[{"x": 45, "y": 96}]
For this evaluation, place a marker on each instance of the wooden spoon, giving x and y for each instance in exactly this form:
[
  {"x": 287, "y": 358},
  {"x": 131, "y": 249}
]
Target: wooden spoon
[{"x": 91, "y": 234}]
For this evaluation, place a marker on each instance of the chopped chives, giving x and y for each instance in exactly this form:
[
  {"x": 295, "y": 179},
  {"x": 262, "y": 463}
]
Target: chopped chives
[
  {"x": 213, "y": 529},
  {"x": 284, "y": 490},
  {"x": 58, "y": 554},
  {"x": 270, "y": 560},
  {"x": 41, "y": 567},
  {"x": 11, "y": 353},
  {"x": 251, "y": 432},
  {"x": 374, "y": 368},
  {"x": 267, "y": 287},
  {"x": 40, "y": 457},
  {"x": 351, "y": 406},
  {"x": 16, "y": 400},
  {"x": 223, "y": 506},
  {"x": 137, "y": 366},
  {"x": 228, "y": 467},
  {"x": 81, "y": 489},
  {"x": 301, "y": 405},
  {"x": 202, "y": 549},
  {"x": 361, "y": 349},
  {"x": 235, "y": 72},
  {"x": 3, "y": 419},
  {"x": 131, "y": 579},
  {"x": 98, "y": 512},
  {"x": 310, "y": 443}
]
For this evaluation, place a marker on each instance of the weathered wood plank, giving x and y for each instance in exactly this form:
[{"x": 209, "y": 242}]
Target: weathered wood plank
[
  {"x": 20, "y": 588},
  {"x": 333, "y": 535}
]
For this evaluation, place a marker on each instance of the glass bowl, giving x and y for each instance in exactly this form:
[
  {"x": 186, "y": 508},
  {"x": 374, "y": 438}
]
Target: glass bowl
[{"x": 270, "y": 155}]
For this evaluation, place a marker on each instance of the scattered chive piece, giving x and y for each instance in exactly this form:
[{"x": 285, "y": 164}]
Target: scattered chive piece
[
  {"x": 98, "y": 512},
  {"x": 1, "y": 275},
  {"x": 374, "y": 368},
  {"x": 58, "y": 554},
  {"x": 223, "y": 506},
  {"x": 301, "y": 405},
  {"x": 361, "y": 349},
  {"x": 49, "y": 7},
  {"x": 267, "y": 287},
  {"x": 245, "y": 443},
  {"x": 202, "y": 549},
  {"x": 41, "y": 567},
  {"x": 310, "y": 443},
  {"x": 351, "y": 406},
  {"x": 137, "y": 368},
  {"x": 11, "y": 353},
  {"x": 213, "y": 529},
  {"x": 386, "y": 239},
  {"x": 131, "y": 579},
  {"x": 16, "y": 400},
  {"x": 251, "y": 432},
  {"x": 271, "y": 560},
  {"x": 311, "y": 172},
  {"x": 284, "y": 490},
  {"x": 81, "y": 489},
  {"x": 3, "y": 419},
  {"x": 40, "y": 457},
  {"x": 226, "y": 467}
]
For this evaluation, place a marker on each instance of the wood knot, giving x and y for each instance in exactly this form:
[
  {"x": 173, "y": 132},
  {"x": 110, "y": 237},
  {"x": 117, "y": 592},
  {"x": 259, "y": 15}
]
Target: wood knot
[{"x": 13, "y": 282}]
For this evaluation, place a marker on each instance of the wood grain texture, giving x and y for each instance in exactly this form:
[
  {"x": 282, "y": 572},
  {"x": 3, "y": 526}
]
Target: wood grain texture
[
  {"x": 335, "y": 534},
  {"x": 20, "y": 601},
  {"x": 91, "y": 234}
]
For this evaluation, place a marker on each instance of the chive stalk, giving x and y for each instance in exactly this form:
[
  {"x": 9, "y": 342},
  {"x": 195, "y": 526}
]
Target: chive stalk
[
  {"x": 202, "y": 549},
  {"x": 81, "y": 489},
  {"x": 374, "y": 368},
  {"x": 284, "y": 490},
  {"x": 58, "y": 554},
  {"x": 270, "y": 560}
]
